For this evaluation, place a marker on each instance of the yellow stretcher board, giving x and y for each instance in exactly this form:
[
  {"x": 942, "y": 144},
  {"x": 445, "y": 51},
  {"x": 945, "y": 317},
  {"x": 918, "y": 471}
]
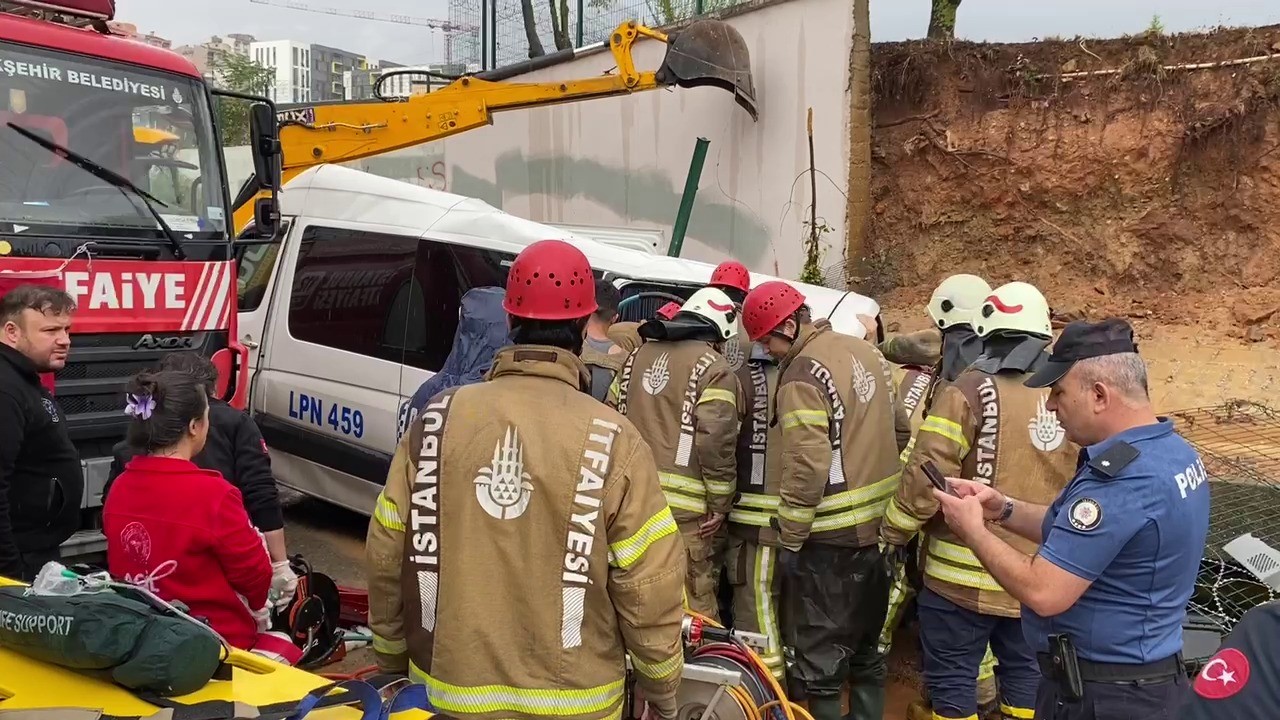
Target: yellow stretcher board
[{"x": 27, "y": 684}]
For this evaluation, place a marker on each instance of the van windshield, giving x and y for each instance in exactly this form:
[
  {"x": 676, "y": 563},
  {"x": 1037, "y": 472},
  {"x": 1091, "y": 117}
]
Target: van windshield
[{"x": 150, "y": 127}]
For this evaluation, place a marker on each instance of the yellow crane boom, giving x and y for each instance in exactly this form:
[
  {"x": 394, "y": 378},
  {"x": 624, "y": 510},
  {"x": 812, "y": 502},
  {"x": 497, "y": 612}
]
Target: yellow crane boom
[{"x": 705, "y": 53}]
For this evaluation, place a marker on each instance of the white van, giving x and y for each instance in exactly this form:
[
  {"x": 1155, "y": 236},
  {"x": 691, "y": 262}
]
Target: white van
[{"x": 354, "y": 304}]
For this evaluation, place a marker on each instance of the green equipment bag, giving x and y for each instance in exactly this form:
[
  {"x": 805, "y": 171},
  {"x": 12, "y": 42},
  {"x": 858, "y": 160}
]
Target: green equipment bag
[{"x": 128, "y": 641}]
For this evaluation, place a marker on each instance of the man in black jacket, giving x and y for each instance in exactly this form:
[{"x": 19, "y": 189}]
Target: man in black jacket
[
  {"x": 41, "y": 482},
  {"x": 236, "y": 449}
]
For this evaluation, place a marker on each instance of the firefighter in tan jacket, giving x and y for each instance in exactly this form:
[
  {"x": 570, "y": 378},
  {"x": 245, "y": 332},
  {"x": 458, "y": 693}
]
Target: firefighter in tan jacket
[
  {"x": 986, "y": 426},
  {"x": 838, "y": 455},
  {"x": 684, "y": 399},
  {"x": 514, "y": 561}
]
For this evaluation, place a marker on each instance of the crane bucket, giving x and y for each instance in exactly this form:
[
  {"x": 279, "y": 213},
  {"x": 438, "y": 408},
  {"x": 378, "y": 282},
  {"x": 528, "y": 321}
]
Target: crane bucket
[{"x": 710, "y": 52}]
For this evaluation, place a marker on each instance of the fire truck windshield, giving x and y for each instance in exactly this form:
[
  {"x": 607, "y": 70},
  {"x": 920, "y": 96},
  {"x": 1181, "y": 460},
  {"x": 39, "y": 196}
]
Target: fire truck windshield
[{"x": 151, "y": 127}]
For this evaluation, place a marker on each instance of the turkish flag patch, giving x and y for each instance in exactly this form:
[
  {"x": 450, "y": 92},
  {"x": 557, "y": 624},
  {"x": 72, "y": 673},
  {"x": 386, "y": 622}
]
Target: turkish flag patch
[{"x": 1223, "y": 676}]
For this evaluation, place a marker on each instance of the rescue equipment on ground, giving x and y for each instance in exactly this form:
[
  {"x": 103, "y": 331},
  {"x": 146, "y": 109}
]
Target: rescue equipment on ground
[
  {"x": 114, "y": 630},
  {"x": 724, "y": 678},
  {"x": 312, "y": 619}
]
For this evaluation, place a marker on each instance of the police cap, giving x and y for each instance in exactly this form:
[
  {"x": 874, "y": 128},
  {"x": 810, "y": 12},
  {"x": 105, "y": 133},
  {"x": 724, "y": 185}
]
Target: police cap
[{"x": 1081, "y": 340}]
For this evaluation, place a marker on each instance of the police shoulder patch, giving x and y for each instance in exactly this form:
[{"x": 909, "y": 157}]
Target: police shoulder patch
[{"x": 1085, "y": 514}]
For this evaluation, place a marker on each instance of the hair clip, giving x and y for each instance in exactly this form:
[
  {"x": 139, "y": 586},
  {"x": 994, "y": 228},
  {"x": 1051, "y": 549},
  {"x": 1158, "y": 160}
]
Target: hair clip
[{"x": 140, "y": 406}]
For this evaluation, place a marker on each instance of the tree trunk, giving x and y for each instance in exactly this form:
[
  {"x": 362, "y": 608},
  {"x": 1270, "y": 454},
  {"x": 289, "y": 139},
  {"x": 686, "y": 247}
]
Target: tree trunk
[
  {"x": 942, "y": 21},
  {"x": 566, "y": 38},
  {"x": 559, "y": 24},
  {"x": 858, "y": 208},
  {"x": 530, "y": 29}
]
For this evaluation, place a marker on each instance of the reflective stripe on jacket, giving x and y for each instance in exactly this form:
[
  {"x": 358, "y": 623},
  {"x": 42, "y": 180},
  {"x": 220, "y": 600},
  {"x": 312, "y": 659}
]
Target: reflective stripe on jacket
[
  {"x": 759, "y": 469},
  {"x": 992, "y": 429},
  {"x": 838, "y": 410},
  {"x": 473, "y": 595},
  {"x": 685, "y": 401}
]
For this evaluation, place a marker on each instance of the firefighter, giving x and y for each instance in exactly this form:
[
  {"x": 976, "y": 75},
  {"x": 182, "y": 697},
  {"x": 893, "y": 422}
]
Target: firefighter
[
  {"x": 602, "y": 356},
  {"x": 733, "y": 278},
  {"x": 930, "y": 359},
  {"x": 626, "y": 335},
  {"x": 987, "y": 427},
  {"x": 470, "y": 589},
  {"x": 838, "y": 415},
  {"x": 685, "y": 400}
]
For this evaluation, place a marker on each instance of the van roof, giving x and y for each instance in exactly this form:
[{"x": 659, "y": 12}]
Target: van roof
[{"x": 334, "y": 192}]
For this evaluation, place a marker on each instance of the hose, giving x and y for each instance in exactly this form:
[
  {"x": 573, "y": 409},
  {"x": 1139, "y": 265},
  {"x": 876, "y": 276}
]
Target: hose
[
  {"x": 785, "y": 705},
  {"x": 762, "y": 670}
]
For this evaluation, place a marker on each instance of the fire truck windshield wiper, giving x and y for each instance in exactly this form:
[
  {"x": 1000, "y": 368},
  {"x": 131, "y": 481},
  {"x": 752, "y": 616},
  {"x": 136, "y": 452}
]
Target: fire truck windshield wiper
[{"x": 111, "y": 177}]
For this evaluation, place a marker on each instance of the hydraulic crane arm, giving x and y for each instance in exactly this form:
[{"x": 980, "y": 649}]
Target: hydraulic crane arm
[{"x": 706, "y": 53}]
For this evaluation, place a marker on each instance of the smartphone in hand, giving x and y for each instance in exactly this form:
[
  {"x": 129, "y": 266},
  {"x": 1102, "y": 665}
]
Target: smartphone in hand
[{"x": 935, "y": 476}]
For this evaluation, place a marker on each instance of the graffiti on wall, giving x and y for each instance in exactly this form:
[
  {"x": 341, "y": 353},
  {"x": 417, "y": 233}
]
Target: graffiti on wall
[
  {"x": 426, "y": 168},
  {"x": 635, "y": 196}
]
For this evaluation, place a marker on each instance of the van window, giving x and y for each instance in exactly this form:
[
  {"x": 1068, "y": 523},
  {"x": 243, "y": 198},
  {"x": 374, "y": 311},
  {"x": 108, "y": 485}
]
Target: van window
[
  {"x": 353, "y": 290},
  {"x": 443, "y": 275}
]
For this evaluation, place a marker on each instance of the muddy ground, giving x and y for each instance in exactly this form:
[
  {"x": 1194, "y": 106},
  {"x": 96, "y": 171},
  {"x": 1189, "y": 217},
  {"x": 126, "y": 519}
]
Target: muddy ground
[{"x": 1147, "y": 192}]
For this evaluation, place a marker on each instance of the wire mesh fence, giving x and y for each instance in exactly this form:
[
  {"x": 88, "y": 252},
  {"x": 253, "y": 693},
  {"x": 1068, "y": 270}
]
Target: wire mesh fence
[
  {"x": 495, "y": 33},
  {"x": 1239, "y": 443}
]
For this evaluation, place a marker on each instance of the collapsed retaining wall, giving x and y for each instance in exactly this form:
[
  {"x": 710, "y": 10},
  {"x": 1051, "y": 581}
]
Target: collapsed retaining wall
[{"x": 1147, "y": 191}]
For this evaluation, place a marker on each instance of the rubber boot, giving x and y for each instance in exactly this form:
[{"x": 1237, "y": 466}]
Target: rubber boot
[
  {"x": 866, "y": 702},
  {"x": 825, "y": 708}
]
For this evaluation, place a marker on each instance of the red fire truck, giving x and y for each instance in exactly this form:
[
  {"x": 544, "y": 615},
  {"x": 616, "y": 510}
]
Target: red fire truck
[{"x": 139, "y": 233}]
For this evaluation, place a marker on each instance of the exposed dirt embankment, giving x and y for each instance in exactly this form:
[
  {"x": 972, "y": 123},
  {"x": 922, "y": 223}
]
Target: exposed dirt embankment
[{"x": 1149, "y": 191}]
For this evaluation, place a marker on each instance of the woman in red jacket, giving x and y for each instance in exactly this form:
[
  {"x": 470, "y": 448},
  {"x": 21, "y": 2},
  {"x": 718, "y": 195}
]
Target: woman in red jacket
[{"x": 180, "y": 531}]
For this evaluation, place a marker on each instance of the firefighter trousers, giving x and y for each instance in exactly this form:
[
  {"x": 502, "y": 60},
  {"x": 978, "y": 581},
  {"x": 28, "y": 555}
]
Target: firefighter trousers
[
  {"x": 834, "y": 602},
  {"x": 953, "y": 639},
  {"x": 901, "y": 591},
  {"x": 704, "y": 557},
  {"x": 756, "y": 582}
]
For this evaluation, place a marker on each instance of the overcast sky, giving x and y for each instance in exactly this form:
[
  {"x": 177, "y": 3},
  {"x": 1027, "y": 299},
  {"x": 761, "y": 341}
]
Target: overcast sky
[{"x": 996, "y": 20}]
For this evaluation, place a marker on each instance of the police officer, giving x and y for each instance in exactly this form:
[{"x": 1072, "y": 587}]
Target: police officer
[
  {"x": 838, "y": 454},
  {"x": 41, "y": 482},
  {"x": 987, "y": 427},
  {"x": 513, "y": 561},
  {"x": 1119, "y": 547},
  {"x": 685, "y": 400},
  {"x": 602, "y": 356}
]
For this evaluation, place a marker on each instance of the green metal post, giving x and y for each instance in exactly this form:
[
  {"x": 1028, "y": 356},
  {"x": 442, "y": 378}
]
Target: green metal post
[
  {"x": 493, "y": 32},
  {"x": 580, "y": 9},
  {"x": 686, "y": 200}
]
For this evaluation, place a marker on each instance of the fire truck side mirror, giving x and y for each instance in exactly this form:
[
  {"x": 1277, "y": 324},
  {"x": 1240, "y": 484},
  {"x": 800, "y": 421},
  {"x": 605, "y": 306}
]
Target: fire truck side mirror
[{"x": 264, "y": 133}]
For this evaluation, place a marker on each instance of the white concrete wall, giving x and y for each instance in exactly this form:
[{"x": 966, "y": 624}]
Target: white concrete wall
[{"x": 622, "y": 161}]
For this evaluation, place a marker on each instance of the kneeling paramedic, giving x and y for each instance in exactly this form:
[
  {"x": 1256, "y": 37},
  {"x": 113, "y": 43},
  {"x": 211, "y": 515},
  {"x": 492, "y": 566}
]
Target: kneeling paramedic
[
  {"x": 1105, "y": 597},
  {"x": 838, "y": 454},
  {"x": 513, "y": 561},
  {"x": 990, "y": 428},
  {"x": 684, "y": 399}
]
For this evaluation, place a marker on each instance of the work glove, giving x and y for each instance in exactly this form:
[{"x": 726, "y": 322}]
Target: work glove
[{"x": 284, "y": 584}]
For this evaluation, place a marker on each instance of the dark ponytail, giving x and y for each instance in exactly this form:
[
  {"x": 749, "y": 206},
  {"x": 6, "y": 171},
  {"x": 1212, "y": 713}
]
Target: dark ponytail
[{"x": 162, "y": 404}]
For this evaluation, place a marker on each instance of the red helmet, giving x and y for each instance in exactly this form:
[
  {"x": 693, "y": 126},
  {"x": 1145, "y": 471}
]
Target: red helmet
[
  {"x": 668, "y": 311},
  {"x": 550, "y": 280},
  {"x": 767, "y": 306},
  {"x": 732, "y": 274}
]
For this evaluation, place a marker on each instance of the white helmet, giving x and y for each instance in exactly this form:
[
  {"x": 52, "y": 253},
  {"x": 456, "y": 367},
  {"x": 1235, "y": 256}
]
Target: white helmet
[
  {"x": 1015, "y": 307},
  {"x": 957, "y": 299},
  {"x": 714, "y": 305}
]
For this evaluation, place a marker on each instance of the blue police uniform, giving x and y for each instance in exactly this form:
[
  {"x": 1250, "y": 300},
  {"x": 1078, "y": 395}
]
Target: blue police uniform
[{"x": 1132, "y": 521}]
